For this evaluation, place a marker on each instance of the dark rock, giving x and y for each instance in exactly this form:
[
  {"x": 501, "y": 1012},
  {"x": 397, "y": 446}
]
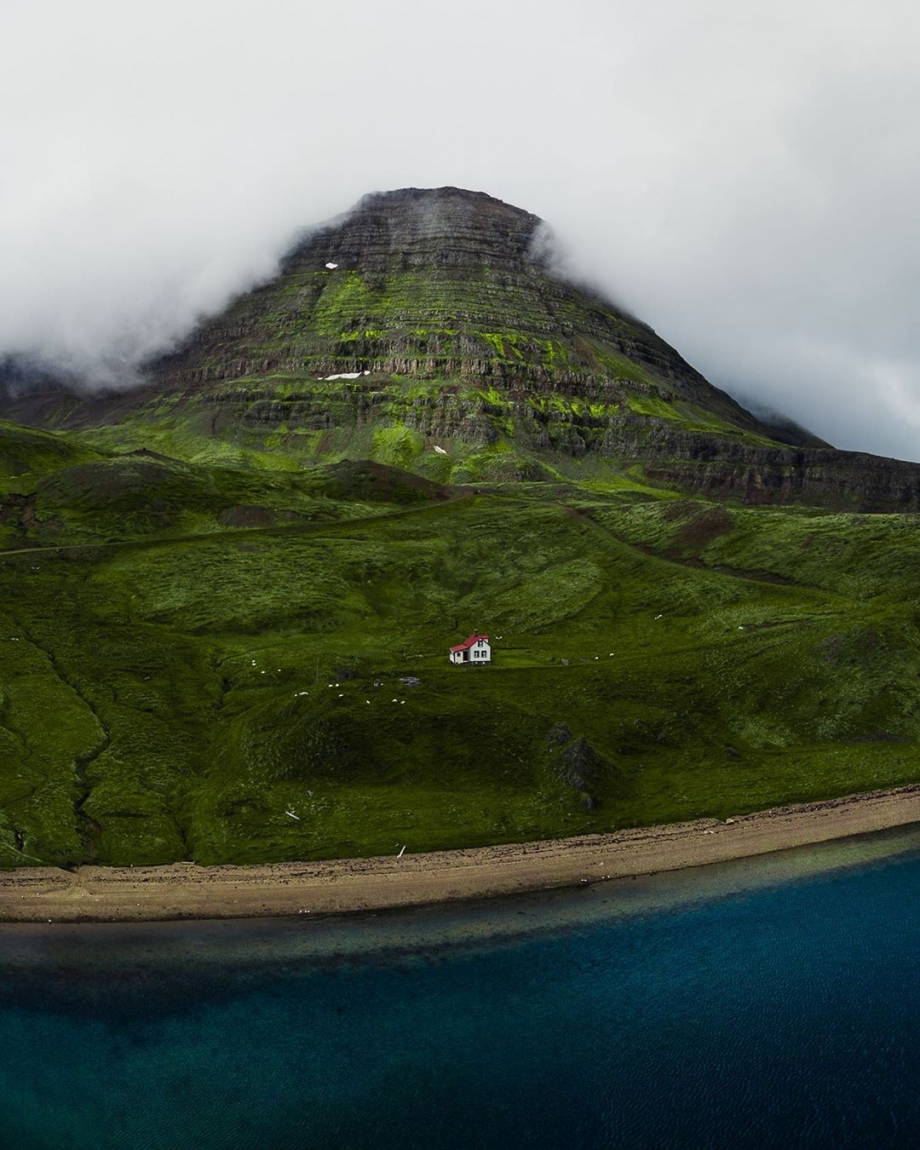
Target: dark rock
[
  {"x": 573, "y": 761},
  {"x": 558, "y": 735}
]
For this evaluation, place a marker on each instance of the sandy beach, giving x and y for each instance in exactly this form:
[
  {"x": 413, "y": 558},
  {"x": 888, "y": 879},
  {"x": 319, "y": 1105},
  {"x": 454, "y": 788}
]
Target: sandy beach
[{"x": 185, "y": 890}]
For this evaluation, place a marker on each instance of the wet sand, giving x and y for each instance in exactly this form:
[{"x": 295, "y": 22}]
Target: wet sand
[{"x": 184, "y": 890}]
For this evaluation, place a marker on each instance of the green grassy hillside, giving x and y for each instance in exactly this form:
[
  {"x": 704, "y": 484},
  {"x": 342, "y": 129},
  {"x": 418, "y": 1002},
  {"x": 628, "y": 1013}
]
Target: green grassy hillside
[{"x": 205, "y": 659}]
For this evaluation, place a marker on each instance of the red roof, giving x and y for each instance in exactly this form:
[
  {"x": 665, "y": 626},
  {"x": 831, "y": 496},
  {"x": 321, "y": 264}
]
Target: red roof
[{"x": 470, "y": 642}]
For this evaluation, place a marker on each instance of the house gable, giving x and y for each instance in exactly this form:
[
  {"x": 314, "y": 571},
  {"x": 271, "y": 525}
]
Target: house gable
[{"x": 474, "y": 649}]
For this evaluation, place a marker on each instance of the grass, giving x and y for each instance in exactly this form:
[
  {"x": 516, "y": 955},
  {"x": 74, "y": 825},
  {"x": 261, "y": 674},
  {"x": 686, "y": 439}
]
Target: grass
[{"x": 206, "y": 648}]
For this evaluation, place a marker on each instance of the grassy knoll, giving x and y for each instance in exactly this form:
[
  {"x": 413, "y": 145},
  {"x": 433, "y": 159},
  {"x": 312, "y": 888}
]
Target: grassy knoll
[{"x": 177, "y": 691}]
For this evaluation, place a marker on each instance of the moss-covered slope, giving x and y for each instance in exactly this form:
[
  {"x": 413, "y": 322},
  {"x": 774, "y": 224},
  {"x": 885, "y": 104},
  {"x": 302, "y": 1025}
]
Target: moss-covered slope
[
  {"x": 220, "y": 664},
  {"x": 226, "y": 600}
]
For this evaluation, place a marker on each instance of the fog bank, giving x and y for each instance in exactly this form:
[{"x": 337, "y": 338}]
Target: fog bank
[{"x": 740, "y": 177}]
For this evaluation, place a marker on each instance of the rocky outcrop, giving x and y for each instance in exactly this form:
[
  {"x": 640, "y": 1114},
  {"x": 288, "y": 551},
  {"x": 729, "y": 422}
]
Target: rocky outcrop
[
  {"x": 841, "y": 480},
  {"x": 574, "y": 762}
]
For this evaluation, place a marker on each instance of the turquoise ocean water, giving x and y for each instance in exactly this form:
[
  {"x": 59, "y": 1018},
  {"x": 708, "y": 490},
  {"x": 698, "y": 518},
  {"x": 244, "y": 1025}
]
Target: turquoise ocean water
[{"x": 770, "y": 1002}]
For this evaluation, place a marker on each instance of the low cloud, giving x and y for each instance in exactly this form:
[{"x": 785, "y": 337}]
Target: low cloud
[{"x": 743, "y": 178}]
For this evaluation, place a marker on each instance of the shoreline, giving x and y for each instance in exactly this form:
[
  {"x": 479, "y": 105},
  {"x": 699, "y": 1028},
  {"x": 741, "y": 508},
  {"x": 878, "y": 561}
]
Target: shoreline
[{"x": 342, "y": 886}]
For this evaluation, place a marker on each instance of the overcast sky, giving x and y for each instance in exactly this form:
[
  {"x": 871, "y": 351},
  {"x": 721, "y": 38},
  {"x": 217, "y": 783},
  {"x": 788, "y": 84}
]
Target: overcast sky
[{"x": 744, "y": 176}]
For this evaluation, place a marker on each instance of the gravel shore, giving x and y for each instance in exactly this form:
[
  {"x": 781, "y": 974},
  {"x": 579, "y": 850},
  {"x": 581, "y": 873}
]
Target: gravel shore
[{"x": 184, "y": 890}]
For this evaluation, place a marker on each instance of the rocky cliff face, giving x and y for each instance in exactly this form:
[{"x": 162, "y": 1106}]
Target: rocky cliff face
[{"x": 841, "y": 480}]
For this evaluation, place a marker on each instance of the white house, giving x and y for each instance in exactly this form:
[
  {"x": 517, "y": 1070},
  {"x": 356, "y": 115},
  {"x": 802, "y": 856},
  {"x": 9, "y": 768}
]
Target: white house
[{"x": 474, "y": 650}]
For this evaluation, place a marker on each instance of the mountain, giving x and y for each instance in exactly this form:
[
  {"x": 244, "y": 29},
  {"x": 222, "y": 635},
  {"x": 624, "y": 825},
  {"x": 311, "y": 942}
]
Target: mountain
[
  {"x": 433, "y": 330},
  {"x": 227, "y": 596},
  {"x": 454, "y": 294}
]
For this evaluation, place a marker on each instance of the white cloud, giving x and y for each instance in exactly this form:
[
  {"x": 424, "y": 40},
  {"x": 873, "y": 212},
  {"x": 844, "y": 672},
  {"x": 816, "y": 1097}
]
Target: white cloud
[{"x": 741, "y": 176}]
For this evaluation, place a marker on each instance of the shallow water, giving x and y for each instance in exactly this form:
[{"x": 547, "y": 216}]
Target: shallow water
[{"x": 768, "y": 1002}]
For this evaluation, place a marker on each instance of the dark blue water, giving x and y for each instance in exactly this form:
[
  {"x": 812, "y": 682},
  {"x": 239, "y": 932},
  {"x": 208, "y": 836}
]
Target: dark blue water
[{"x": 770, "y": 1003}]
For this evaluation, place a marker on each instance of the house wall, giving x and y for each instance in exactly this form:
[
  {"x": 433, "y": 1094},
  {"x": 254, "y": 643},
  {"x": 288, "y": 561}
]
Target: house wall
[
  {"x": 473, "y": 658},
  {"x": 484, "y": 657}
]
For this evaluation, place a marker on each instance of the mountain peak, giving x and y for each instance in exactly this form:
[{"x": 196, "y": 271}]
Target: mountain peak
[
  {"x": 458, "y": 289},
  {"x": 430, "y": 329},
  {"x": 425, "y": 227}
]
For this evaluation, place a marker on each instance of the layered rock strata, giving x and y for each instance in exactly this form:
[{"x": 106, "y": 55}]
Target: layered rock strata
[
  {"x": 440, "y": 316},
  {"x": 437, "y": 284}
]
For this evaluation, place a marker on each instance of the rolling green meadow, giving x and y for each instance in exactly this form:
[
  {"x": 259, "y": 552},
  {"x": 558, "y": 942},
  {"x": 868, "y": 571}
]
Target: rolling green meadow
[{"x": 205, "y": 659}]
